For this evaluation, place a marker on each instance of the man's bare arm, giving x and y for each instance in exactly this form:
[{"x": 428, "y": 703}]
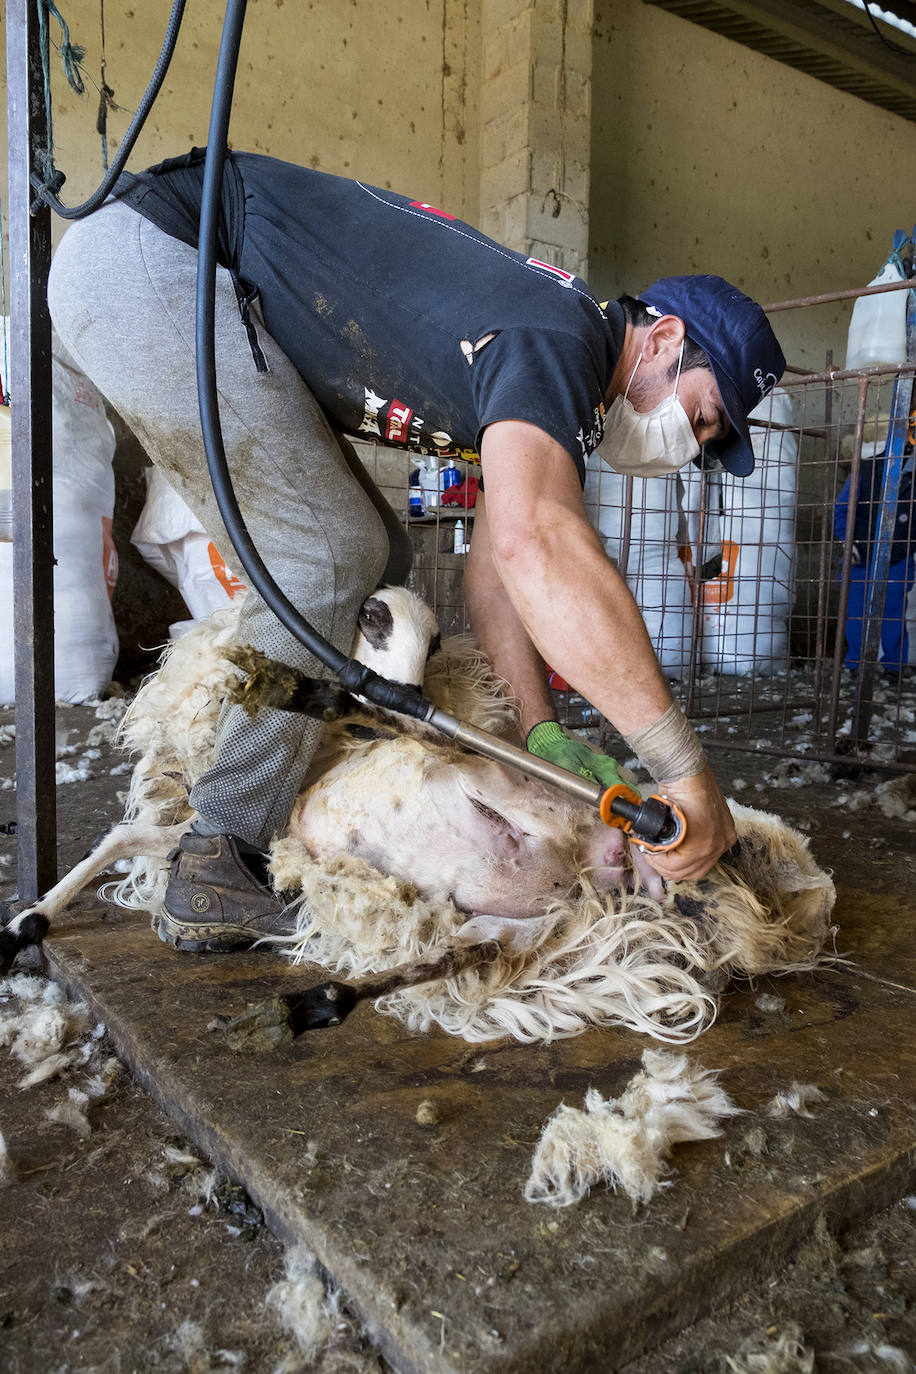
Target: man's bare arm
[
  {"x": 502, "y": 635},
  {"x": 566, "y": 593},
  {"x": 538, "y": 546}
]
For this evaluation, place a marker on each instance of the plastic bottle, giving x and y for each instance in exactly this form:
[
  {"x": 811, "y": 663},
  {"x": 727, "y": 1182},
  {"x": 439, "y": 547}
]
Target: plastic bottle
[
  {"x": 451, "y": 477},
  {"x": 416, "y": 506},
  {"x": 429, "y": 483},
  {"x": 877, "y": 330},
  {"x": 459, "y": 545}
]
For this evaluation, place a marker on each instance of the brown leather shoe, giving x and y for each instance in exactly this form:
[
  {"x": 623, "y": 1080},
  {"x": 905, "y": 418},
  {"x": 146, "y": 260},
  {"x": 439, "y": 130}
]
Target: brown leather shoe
[{"x": 214, "y": 902}]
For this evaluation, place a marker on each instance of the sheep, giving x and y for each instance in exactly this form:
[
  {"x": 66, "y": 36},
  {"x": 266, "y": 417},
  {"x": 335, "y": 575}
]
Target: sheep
[{"x": 401, "y": 842}]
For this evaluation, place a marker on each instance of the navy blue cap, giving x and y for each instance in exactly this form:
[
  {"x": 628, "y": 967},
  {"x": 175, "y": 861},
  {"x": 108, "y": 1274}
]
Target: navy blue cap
[{"x": 745, "y": 356}]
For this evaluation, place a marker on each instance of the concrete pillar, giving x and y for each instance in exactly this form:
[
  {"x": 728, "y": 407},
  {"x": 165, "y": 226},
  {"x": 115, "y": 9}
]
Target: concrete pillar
[{"x": 535, "y": 119}]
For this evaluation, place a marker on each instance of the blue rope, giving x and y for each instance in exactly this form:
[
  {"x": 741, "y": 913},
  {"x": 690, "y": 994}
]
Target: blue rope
[
  {"x": 71, "y": 54},
  {"x": 45, "y": 154},
  {"x": 896, "y": 257}
]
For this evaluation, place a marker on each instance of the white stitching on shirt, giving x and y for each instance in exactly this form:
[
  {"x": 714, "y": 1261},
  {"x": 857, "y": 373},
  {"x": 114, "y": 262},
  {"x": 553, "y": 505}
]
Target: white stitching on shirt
[{"x": 494, "y": 248}]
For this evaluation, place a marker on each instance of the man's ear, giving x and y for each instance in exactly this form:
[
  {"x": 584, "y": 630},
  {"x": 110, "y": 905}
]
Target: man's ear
[{"x": 662, "y": 340}]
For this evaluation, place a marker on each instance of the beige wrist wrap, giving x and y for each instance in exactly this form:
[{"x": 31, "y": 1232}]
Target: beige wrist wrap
[{"x": 668, "y": 748}]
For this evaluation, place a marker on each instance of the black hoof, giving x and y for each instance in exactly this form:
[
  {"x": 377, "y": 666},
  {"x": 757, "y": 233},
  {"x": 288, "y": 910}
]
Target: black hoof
[
  {"x": 9, "y": 948},
  {"x": 28, "y": 928}
]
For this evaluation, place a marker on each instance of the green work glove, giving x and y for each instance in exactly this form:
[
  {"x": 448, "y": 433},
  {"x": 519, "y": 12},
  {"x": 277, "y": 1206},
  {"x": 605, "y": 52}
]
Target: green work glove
[{"x": 549, "y": 741}]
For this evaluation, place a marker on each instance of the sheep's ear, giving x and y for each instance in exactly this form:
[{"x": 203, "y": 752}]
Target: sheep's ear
[
  {"x": 376, "y": 623},
  {"x": 506, "y": 839}
]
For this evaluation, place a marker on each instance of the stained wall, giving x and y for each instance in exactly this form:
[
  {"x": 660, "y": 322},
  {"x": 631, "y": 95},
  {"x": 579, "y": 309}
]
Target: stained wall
[
  {"x": 385, "y": 93},
  {"x": 707, "y": 157}
]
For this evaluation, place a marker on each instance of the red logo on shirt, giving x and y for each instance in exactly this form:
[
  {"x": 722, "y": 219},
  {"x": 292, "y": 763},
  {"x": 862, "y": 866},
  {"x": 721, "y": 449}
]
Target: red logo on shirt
[
  {"x": 567, "y": 278},
  {"x": 431, "y": 209},
  {"x": 399, "y": 418}
]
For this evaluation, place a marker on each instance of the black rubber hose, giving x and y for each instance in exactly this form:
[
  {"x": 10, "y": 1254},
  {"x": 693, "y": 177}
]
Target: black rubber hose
[
  {"x": 353, "y": 675},
  {"x": 47, "y": 194}
]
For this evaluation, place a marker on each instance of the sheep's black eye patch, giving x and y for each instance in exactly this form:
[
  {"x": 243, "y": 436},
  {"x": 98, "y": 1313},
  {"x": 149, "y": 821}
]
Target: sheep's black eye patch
[{"x": 376, "y": 622}]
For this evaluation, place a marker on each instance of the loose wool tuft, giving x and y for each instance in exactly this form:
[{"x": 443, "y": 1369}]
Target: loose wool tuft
[
  {"x": 301, "y": 1303},
  {"x": 72, "y": 1112},
  {"x": 625, "y": 1142},
  {"x": 40, "y": 1026},
  {"x": 796, "y": 1100},
  {"x": 785, "y": 1354}
]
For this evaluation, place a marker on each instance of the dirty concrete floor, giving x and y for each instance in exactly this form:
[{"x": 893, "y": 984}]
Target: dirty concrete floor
[{"x": 849, "y": 1302}]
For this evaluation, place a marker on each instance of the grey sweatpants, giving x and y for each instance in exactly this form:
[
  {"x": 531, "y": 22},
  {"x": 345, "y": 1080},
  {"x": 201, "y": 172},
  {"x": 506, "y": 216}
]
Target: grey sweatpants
[{"x": 122, "y": 297}]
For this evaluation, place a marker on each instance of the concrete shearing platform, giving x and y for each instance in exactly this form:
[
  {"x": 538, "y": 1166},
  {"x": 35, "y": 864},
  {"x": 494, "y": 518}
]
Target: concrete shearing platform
[{"x": 425, "y": 1227}]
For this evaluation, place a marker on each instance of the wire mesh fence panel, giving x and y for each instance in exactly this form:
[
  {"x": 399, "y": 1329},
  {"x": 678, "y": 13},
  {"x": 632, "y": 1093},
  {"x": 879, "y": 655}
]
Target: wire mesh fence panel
[
  {"x": 757, "y": 603},
  {"x": 758, "y": 592}
]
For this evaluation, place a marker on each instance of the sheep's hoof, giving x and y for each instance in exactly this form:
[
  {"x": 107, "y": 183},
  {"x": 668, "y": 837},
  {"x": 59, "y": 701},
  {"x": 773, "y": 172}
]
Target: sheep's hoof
[
  {"x": 19, "y": 930},
  {"x": 9, "y": 948}
]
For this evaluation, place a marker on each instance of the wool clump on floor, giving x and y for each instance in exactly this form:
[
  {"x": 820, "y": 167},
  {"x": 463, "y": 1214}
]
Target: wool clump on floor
[
  {"x": 796, "y": 1100},
  {"x": 302, "y": 1304},
  {"x": 190, "y": 1344},
  {"x": 51, "y": 1037},
  {"x": 626, "y": 1142},
  {"x": 326, "y": 1335},
  {"x": 787, "y": 1353},
  {"x": 40, "y": 1026}
]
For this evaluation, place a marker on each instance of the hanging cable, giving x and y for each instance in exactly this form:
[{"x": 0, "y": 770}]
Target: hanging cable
[
  {"x": 106, "y": 94},
  {"x": 894, "y": 47},
  {"x": 353, "y": 675},
  {"x": 53, "y": 179}
]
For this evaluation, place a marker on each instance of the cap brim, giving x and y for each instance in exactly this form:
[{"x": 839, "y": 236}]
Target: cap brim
[{"x": 735, "y": 452}]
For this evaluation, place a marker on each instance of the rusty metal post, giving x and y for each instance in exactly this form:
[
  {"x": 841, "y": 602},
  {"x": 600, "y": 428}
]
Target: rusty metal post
[
  {"x": 694, "y": 664},
  {"x": 30, "y": 388}
]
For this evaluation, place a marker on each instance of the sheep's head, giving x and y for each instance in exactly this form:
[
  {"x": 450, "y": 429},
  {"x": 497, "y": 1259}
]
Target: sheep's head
[
  {"x": 396, "y": 633},
  {"x": 768, "y": 909}
]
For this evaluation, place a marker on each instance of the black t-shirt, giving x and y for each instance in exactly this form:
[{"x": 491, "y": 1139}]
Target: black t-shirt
[{"x": 408, "y": 326}]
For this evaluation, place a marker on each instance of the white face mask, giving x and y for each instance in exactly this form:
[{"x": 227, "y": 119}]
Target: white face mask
[{"x": 648, "y": 443}]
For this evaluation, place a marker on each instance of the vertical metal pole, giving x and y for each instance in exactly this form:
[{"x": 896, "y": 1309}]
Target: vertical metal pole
[
  {"x": 848, "y": 542},
  {"x": 828, "y": 494},
  {"x": 30, "y": 389},
  {"x": 696, "y": 624}
]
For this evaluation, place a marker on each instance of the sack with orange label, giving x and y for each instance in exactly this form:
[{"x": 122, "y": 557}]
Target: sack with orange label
[
  {"x": 745, "y": 579},
  {"x": 173, "y": 541}
]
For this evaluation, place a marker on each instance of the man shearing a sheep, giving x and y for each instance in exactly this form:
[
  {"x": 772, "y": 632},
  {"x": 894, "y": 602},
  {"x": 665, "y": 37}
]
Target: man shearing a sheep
[{"x": 341, "y": 310}]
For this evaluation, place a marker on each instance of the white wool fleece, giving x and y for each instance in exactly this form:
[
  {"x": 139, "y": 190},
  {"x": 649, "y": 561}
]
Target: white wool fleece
[{"x": 626, "y": 1141}]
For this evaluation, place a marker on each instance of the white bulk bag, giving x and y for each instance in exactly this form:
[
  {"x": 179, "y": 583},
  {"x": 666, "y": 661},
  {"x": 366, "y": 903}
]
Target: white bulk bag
[
  {"x": 654, "y": 572},
  {"x": 85, "y": 639},
  {"x": 877, "y": 330},
  {"x": 171, "y": 538},
  {"x": 751, "y": 521}
]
